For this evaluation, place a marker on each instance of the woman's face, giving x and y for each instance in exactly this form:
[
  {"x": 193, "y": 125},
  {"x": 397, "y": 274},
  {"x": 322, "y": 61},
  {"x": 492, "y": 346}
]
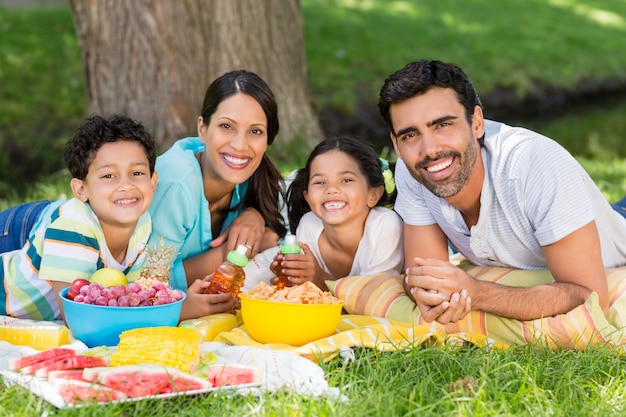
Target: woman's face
[{"x": 235, "y": 139}]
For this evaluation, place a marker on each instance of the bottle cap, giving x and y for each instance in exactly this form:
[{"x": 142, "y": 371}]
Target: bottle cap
[
  {"x": 238, "y": 256},
  {"x": 290, "y": 244}
]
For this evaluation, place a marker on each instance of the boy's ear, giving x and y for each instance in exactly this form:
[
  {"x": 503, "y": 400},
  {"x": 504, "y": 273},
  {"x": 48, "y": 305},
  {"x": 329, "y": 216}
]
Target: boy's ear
[
  {"x": 154, "y": 180},
  {"x": 374, "y": 195},
  {"x": 79, "y": 190}
]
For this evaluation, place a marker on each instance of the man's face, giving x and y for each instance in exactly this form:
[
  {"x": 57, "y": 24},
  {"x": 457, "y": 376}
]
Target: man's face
[{"x": 435, "y": 141}]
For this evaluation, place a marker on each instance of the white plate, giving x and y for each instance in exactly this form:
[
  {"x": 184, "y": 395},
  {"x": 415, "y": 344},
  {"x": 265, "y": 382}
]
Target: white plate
[{"x": 47, "y": 391}]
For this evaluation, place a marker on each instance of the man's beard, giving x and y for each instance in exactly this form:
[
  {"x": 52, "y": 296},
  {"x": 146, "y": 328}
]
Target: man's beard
[{"x": 450, "y": 186}]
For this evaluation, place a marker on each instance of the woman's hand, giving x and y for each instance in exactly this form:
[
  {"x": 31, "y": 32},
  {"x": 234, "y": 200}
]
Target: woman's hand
[
  {"x": 198, "y": 304},
  {"x": 246, "y": 229}
]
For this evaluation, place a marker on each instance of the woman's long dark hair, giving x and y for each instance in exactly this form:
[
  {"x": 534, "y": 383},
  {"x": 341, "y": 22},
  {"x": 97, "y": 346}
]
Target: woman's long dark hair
[
  {"x": 265, "y": 187},
  {"x": 364, "y": 155}
]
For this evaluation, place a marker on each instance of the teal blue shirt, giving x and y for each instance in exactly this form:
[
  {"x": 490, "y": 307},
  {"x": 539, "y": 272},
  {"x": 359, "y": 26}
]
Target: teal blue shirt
[{"x": 179, "y": 209}]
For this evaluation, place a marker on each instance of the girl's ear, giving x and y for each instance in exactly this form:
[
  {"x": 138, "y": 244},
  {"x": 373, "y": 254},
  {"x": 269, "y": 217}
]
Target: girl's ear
[
  {"x": 79, "y": 190},
  {"x": 374, "y": 195}
]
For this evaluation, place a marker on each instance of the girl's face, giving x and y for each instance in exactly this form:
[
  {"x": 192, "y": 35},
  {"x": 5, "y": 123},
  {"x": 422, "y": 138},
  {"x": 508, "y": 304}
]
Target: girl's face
[
  {"x": 235, "y": 139},
  {"x": 118, "y": 186},
  {"x": 338, "y": 191}
]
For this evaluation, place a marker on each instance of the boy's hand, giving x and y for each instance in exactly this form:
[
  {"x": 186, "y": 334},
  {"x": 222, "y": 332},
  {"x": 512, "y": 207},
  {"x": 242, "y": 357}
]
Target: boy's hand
[{"x": 198, "y": 304}]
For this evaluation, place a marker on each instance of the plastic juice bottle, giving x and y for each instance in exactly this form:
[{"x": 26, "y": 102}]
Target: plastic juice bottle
[
  {"x": 229, "y": 276},
  {"x": 38, "y": 336},
  {"x": 289, "y": 246}
]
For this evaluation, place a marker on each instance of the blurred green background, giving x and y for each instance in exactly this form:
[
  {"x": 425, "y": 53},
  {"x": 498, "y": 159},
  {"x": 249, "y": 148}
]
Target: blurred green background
[{"x": 555, "y": 66}]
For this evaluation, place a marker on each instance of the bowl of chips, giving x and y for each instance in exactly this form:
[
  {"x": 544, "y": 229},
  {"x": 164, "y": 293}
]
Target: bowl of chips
[{"x": 294, "y": 315}]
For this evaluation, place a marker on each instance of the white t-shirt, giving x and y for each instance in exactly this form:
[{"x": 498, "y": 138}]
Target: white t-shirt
[
  {"x": 534, "y": 194},
  {"x": 380, "y": 249}
]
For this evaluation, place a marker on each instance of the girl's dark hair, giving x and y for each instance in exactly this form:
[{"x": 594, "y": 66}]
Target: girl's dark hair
[
  {"x": 363, "y": 154},
  {"x": 419, "y": 77},
  {"x": 95, "y": 131},
  {"x": 265, "y": 187}
]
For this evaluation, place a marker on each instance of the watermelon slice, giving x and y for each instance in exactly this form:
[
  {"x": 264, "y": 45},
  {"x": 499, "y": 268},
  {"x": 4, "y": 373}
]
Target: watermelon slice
[
  {"x": 70, "y": 362},
  {"x": 75, "y": 391},
  {"x": 19, "y": 363},
  {"x": 147, "y": 380},
  {"x": 53, "y": 376},
  {"x": 91, "y": 374},
  {"x": 31, "y": 369},
  {"x": 234, "y": 374}
]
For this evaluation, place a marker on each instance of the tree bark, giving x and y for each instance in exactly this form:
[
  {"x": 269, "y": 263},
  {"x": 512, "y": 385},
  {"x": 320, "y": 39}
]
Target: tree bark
[{"x": 154, "y": 59}]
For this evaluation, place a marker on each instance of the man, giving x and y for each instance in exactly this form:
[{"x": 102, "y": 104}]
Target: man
[{"x": 502, "y": 196}]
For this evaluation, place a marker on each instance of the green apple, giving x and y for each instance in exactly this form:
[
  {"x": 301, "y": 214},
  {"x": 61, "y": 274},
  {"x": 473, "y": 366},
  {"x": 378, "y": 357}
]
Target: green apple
[{"x": 108, "y": 277}]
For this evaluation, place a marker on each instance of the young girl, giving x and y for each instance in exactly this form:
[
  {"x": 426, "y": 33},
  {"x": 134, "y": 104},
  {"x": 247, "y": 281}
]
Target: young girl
[{"x": 336, "y": 206}]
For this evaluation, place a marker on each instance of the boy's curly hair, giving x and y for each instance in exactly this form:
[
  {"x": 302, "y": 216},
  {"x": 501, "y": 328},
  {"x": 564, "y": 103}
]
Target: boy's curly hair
[{"x": 95, "y": 131}]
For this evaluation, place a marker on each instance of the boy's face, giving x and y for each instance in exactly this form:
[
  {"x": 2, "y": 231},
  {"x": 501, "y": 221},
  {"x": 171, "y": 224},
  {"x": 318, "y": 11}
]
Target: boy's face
[{"x": 118, "y": 186}]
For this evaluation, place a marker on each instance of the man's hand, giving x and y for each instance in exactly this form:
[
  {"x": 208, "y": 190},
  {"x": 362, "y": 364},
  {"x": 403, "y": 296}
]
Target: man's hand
[{"x": 439, "y": 290}]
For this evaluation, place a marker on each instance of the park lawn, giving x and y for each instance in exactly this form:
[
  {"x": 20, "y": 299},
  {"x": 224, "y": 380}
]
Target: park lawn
[
  {"x": 351, "y": 47},
  {"x": 467, "y": 381}
]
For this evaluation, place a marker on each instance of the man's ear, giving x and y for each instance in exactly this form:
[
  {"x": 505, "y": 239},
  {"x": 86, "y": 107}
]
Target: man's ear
[
  {"x": 478, "y": 122},
  {"x": 79, "y": 190},
  {"x": 394, "y": 141}
]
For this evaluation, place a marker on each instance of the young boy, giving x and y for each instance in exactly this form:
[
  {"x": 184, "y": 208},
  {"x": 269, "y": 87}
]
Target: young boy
[{"x": 106, "y": 224}]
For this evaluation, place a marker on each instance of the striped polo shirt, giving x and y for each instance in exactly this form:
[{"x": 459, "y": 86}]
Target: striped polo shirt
[{"x": 67, "y": 244}]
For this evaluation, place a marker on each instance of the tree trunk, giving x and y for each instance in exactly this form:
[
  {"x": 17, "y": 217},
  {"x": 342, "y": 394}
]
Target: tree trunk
[{"x": 154, "y": 59}]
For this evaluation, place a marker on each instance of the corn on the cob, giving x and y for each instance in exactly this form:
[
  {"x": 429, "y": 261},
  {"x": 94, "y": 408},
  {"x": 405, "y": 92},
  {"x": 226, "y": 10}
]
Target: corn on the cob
[{"x": 177, "y": 347}]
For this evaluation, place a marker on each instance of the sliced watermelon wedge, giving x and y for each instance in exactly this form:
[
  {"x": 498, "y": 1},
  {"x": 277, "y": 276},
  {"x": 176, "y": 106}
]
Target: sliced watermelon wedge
[
  {"x": 31, "y": 369},
  {"x": 19, "y": 363},
  {"x": 71, "y": 362},
  {"x": 147, "y": 380},
  {"x": 235, "y": 374},
  {"x": 76, "y": 391},
  {"x": 53, "y": 376}
]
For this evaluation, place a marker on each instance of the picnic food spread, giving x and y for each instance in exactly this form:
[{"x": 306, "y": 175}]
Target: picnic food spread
[
  {"x": 307, "y": 293},
  {"x": 147, "y": 362}
]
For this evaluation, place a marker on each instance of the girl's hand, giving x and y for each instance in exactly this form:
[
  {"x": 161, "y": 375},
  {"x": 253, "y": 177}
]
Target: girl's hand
[
  {"x": 303, "y": 267},
  {"x": 198, "y": 304}
]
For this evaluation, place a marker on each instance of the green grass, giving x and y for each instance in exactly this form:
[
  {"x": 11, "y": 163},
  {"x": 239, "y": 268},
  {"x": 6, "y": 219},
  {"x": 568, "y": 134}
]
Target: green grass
[
  {"x": 521, "y": 381},
  {"x": 351, "y": 47}
]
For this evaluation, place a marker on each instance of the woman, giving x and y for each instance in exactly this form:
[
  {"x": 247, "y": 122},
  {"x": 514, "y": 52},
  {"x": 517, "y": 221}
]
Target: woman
[{"x": 219, "y": 190}]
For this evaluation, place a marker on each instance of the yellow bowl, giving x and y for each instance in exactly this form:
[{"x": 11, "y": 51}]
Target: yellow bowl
[{"x": 292, "y": 324}]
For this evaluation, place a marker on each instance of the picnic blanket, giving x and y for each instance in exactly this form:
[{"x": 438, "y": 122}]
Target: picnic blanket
[
  {"x": 586, "y": 325},
  {"x": 381, "y": 316},
  {"x": 369, "y": 332}
]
